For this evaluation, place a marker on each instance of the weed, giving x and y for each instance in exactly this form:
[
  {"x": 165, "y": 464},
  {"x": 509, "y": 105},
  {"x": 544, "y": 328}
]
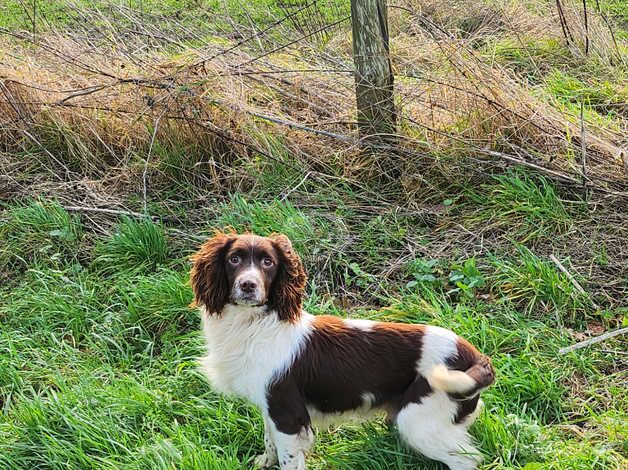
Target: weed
[
  {"x": 38, "y": 232},
  {"x": 536, "y": 284},
  {"x": 423, "y": 271},
  {"x": 136, "y": 245},
  {"x": 466, "y": 278},
  {"x": 529, "y": 207}
]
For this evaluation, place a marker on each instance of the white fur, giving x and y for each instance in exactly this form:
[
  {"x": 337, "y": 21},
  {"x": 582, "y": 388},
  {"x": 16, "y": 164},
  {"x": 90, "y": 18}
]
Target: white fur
[
  {"x": 367, "y": 400},
  {"x": 360, "y": 324},
  {"x": 247, "y": 347},
  {"x": 252, "y": 273},
  {"x": 451, "y": 381},
  {"x": 428, "y": 427},
  {"x": 269, "y": 457},
  {"x": 439, "y": 345},
  {"x": 291, "y": 448}
]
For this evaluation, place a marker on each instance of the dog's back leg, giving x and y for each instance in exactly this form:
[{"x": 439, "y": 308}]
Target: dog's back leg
[{"x": 426, "y": 423}]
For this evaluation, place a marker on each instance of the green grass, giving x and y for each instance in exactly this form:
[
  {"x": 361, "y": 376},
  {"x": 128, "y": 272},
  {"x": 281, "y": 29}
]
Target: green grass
[
  {"x": 528, "y": 207},
  {"x": 135, "y": 245},
  {"x": 59, "y": 13},
  {"x": 205, "y": 15},
  {"x": 537, "y": 285},
  {"x": 98, "y": 368},
  {"x": 37, "y": 233},
  {"x": 264, "y": 218}
]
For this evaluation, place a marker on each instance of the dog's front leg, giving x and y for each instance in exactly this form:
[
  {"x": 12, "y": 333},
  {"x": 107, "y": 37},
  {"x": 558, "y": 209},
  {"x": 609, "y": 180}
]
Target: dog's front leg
[
  {"x": 269, "y": 457},
  {"x": 291, "y": 448},
  {"x": 290, "y": 420}
]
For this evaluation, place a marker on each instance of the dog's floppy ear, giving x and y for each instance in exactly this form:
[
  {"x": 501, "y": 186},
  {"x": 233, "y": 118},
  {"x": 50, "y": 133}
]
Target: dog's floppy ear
[
  {"x": 288, "y": 286},
  {"x": 208, "y": 276}
]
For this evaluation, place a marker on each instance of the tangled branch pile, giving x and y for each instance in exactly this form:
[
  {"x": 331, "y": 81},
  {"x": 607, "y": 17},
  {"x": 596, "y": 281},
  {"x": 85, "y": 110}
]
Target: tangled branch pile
[{"x": 111, "y": 88}]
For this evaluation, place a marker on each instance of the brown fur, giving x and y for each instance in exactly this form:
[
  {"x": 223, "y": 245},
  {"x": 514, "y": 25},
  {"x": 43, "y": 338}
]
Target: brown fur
[
  {"x": 286, "y": 293},
  {"x": 341, "y": 363},
  {"x": 479, "y": 367},
  {"x": 473, "y": 363},
  {"x": 209, "y": 276},
  {"x": 252, "y": 249}
]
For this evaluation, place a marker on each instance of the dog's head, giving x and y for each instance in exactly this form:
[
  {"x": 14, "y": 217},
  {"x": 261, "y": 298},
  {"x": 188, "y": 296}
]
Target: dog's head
[{"x": 248, "y": 270}]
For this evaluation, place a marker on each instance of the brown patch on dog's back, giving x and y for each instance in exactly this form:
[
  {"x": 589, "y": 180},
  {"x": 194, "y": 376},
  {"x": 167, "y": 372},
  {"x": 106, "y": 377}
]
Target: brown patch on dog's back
[{"x": 340, "y": 363}]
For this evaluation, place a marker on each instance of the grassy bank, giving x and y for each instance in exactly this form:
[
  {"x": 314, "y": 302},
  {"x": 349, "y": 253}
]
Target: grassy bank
[
  {"x": 129, "y": 131},
  {"x": 99, "y": 346}
]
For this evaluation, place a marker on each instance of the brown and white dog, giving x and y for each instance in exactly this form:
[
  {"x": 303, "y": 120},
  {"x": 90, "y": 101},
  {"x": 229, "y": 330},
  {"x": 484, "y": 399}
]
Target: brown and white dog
[{"x": 301, "y": 369}]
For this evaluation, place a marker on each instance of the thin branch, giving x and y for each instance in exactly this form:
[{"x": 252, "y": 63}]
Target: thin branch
[
  {"x": 583, "y": 150},
  {"x": 290, "y": 191},
  {"x": 572, "y": 279},
  {"x": 594, "y": 340},
  {"x": 586, "y": 27},
  {"x": 145, "y": 172},
  {"x": 116, "y": 212}
]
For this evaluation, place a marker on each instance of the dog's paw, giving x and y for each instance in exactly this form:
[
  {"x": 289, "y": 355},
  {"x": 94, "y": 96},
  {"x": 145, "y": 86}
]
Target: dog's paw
[
  {"x": 482, "y": 372},
  {"x": 265, "y": 460},
  {"x": 487, "y": 375}
]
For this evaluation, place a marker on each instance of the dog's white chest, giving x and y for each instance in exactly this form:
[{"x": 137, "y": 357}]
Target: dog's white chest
[{"x": 247, "y": 348}]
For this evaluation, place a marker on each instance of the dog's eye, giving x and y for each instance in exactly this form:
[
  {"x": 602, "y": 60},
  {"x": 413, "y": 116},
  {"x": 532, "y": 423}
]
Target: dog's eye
[
  {"x": 267, "y": 262},
  {"x": 234, "y": 260}
]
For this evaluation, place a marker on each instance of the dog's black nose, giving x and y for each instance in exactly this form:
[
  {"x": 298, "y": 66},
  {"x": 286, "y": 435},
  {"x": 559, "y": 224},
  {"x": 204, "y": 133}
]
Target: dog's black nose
[{"x": 248, "y": 286}]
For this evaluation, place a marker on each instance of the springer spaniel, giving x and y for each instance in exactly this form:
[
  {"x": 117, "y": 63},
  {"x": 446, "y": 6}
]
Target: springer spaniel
[{"x": 301, "y": 369}]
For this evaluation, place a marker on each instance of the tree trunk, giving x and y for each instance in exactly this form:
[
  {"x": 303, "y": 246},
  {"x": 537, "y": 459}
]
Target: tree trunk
[{"x": 373, "y": 73}]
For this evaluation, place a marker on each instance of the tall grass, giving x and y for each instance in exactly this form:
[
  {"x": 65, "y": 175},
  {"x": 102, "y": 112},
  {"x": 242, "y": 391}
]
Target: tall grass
[
  {"x": 529, "y": 207},
  {"x": 136, "y": 245},
  {"x": 538, "y": 285},
  {"x": 264, "y": 218},
  {"x": 37, "y": 232}
]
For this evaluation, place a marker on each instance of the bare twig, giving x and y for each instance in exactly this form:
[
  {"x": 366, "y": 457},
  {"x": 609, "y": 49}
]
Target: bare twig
[
  {"x": 83, "y": 92},
  {"x": 116, "y": 212},
  {"x": 586, "y": 27},
  {"x": 594, "y": 340},
  {"x": 583, "y": 150},
  {"x": 612, "y": 351},
  {"x": 572, "y": 279},
  {"x": 291, "y": 190},
  {"x": 145, "y": 172},
  {"x": 34, "y": 139},
  {"x": 608, "y": 25},
  {"x": 563, "y": 23}
]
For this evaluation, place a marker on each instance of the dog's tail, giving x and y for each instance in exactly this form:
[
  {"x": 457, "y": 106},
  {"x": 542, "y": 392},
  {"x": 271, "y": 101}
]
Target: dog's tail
[{"x": 463, "y": 384}]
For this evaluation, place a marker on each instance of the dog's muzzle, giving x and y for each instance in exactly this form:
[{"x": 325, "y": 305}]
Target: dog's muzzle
[{"x": 248, "y": 288}]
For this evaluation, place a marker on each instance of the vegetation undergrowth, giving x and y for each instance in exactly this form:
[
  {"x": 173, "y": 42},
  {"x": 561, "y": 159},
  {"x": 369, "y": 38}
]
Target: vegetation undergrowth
[
  {"x": 99, "y": 369},
  {"x": 160, "y": 138}
]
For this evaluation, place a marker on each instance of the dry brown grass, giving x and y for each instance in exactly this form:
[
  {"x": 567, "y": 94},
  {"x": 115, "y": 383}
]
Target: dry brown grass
[{"x": 92, "y": 107}]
